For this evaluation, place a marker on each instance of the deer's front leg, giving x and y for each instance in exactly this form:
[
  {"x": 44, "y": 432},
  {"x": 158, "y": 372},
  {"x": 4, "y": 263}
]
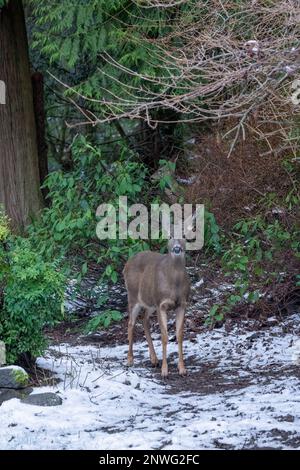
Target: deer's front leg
[
  {"x": 180, "y": 312},
  {"x": 163, "y": 323},
  {"x": 153, "y": 357}
]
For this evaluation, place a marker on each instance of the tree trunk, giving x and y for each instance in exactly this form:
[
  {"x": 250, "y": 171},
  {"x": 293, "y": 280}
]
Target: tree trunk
[
  {"x": 161, "y": 142},
  {"x": 37, "y": 80},
  {"x": 19, "y": 171}
]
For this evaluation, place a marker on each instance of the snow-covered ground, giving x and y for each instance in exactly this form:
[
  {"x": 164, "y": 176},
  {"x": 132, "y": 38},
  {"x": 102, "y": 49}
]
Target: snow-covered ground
[{"x": 242, "y": 391}]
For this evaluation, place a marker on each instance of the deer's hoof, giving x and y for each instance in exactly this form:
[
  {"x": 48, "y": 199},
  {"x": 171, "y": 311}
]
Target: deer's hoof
[
  {"x": 130, "y": 362},
  {"x": 164, "y": 372},
  {"x": 182, "y": 371},
  {"x": 154, "y": 361}
]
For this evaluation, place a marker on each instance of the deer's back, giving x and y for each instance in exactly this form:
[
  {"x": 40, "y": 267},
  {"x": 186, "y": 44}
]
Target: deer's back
[{"x": 136, "y": 265}]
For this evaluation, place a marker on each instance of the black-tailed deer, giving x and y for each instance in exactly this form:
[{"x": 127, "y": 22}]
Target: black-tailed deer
[{"x": 157, "y": 282}]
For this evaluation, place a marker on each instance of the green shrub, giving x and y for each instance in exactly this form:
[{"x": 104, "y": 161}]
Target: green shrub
[
  {"x": 32, "y": 297},
  {"x": 103, "y": 320},
  {"x": 254, "y": 244},
  {"x": 260, "y": 251},
  {"x": 212, "y": 236},
  {"x": 67, "y": 229},
  {"x": 4, "y": 226}
]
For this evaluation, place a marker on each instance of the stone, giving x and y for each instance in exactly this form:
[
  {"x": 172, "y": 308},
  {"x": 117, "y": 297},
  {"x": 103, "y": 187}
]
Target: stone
[
  {"x": 43, "y": 399},
  {"x": 9, "y": 393},
  {"x": 287, "y": 418},
  {"x": 13, "y": 377},
  {"x": 2, "y": 354}
]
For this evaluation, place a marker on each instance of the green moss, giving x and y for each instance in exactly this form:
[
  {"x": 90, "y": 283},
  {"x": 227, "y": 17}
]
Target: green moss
[{"x": 21, "y": 377}]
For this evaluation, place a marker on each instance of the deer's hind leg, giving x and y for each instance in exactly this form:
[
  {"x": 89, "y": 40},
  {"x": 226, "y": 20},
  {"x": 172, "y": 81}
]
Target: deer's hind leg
[
  {"x": 146, "y": 323},
  {"x": 134, "y": 310}
]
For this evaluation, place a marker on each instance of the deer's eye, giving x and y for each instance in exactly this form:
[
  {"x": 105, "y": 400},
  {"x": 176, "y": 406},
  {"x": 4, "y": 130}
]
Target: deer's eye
[{"x": 177, "y": 250}]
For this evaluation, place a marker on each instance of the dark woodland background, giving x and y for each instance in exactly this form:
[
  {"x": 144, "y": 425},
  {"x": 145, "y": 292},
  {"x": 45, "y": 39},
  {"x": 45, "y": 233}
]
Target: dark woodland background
[{"x": 179, "y": 101}]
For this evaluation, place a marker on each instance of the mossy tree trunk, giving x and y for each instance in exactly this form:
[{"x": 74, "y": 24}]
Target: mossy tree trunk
[{"x": 19, "y": 169}]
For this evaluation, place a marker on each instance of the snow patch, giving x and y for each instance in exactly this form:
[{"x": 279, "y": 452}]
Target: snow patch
[{"x": 242, "y": 391}]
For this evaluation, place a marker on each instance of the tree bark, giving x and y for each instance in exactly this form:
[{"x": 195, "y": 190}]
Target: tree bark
[
  {"x": 37, "y": 80},
  {"x": 19, "y": 169},
  {"x": 161, "y": 142}
]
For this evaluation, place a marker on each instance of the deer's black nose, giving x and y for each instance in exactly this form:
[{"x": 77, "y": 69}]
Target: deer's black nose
[{"x": 177, "y": 250}]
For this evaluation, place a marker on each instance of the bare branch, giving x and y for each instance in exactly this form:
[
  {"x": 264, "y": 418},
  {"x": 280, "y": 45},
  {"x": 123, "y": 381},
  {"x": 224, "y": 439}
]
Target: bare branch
[{"x": 220, "y": 61}]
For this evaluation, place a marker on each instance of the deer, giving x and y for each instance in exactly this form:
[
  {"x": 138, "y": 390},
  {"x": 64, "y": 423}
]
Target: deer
[{"x": 158, "y": 283}]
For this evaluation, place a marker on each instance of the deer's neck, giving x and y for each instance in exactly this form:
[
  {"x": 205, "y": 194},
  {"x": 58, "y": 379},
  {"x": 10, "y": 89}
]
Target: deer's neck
[{"x": 176, "y": 262}]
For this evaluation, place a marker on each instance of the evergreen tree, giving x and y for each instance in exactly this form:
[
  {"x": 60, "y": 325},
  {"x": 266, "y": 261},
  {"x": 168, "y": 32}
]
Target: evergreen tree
[{"x": 19, "y": 172}]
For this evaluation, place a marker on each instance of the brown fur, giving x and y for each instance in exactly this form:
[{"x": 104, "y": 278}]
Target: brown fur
[{"x": 157, "y": 282}]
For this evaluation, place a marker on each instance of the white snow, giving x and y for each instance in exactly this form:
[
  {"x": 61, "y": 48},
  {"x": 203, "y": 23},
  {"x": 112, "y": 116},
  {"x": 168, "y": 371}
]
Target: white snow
[
  {"x": 12, "y": 367},
  {"x": 198, "y": 283},
  {"x": 296, "y": 352},
  {"x": 187, "y": 181},
  {"x": 242, "y": 391}
]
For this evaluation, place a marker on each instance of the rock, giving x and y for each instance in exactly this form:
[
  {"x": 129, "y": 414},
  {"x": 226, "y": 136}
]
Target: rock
[
  {"x": 13, "y": 377},
  {"x": 254, "y": 336},
  {"x": 286, "y": 418},
  {"x": 9, "y": 393},
  {"x": 43, "y": 399},
  {"x": 2, "y": 354}
]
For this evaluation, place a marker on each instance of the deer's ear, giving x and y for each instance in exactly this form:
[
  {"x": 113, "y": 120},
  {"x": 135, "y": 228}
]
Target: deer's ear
[
  {"x": 172, "y": 231},
  {"x": 170, "y": 244}
]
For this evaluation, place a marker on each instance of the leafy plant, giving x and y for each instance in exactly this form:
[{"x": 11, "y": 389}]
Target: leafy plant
[
  {"x": 67, "y": 229},
  {"x": 4, "y": 226},
  {"x": 212, "y": 236},
  {"x": 214, "y": 315},
  {"x": 167, "y": 170},
  {"x": 102, "y": 320},
  {"x": 32, "y": 297},
  {"x": 253, "y": 243}
]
